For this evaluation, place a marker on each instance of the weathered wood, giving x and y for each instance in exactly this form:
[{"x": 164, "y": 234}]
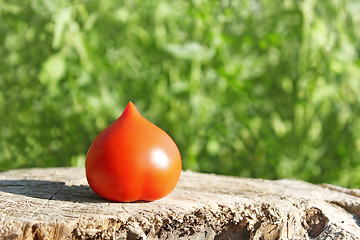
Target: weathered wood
[{"x": 58, "y": 204}]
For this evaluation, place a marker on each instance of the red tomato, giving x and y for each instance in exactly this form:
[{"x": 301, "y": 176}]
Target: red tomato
[{"x": 132, "y": 160}]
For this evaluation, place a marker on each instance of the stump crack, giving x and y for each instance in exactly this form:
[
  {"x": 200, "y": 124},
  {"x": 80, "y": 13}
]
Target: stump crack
[
  {"x": 351, "y": 192},
  {"x": 45, "y": 202},
  {"x": 315, "y": 222}
]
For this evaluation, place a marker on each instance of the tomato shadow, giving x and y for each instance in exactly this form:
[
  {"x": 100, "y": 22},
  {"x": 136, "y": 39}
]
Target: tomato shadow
[{"x": 51, "y": 190}]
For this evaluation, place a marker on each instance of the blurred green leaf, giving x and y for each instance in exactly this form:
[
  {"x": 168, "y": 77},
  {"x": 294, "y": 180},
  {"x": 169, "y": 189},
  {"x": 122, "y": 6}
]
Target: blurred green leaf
[
  {"x": 190, "y": 51},
  {"x": 254, "y": 88}
]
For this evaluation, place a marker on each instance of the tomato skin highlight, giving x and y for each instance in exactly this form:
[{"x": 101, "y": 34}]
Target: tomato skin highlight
[{"x": 133, "y": 160}]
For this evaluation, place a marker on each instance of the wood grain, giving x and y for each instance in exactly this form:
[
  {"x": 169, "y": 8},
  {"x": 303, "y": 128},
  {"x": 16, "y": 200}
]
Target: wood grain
[{"x": 57, "y": 203}]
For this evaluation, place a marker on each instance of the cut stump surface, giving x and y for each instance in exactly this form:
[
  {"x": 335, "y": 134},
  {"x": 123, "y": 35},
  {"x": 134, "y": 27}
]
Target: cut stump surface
[{"x": 57, "y": 203}]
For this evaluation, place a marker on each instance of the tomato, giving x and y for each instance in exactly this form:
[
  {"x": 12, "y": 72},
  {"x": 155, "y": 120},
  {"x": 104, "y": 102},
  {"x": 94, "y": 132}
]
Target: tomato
[{"x": 133, "y": 160}]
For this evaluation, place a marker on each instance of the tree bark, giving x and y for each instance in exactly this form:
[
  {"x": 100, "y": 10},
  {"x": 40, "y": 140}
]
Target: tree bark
[{"x": 57, "y": 203}]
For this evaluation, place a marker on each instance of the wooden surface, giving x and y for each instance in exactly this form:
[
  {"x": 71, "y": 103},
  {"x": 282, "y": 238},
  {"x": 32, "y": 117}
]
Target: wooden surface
[{"x": 58, "y": 204}]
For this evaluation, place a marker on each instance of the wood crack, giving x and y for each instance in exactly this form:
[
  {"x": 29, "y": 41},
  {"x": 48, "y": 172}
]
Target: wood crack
[
  {"x": 45, "y": 202},
  {"x": 352, "y": 192}
]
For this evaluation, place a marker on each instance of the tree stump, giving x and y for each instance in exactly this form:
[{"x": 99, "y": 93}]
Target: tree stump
[{"x": 57, "y": 203}]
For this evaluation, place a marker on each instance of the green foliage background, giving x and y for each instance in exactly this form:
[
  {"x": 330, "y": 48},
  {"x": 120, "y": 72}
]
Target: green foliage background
[{"x": 254, "y": 88}]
